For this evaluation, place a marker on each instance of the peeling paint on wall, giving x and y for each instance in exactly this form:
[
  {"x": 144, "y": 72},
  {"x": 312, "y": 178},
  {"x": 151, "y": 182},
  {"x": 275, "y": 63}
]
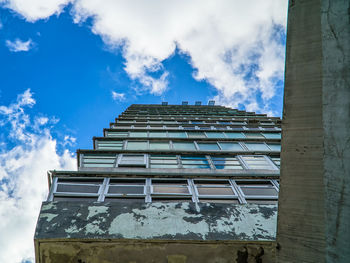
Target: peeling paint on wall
[{"x": 165, "y": 221}]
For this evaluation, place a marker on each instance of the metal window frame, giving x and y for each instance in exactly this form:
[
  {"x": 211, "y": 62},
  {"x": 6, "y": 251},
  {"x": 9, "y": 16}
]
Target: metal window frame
[
  {"x": 82, "y": 158},
  {"x": 106, "y": 194},
  {"x": 53, "y": 192},
  {"x": 247, "y": 167},
  {"x": 222, "y": 157},
  {"x": 121, "y": 156},
  {"x": 234, "y": 196},
  {"x": 182, "y": 165},
  {"x": 258, "y": 197}
]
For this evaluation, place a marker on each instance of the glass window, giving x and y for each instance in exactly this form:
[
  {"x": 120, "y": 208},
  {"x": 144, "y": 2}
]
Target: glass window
[
  {"x": 163, "y": 161},
  {"x": 257, "y": 162},
  {"x": 77, "y": 189},
  {"x": 177, "y": 134},
  {"x": 230, "y": 146},
  {"x": 195, "y": 134},
  {"x": 253, "y": 189},
  {"x": 274, "y": 147},
  {"x": 117, "y": 134},
  {"x": 272, "y": 135},
  {"x": 170, "y": 187},
  {"x": 189, "y": 127},
  {"x": 189, "y": 146},
  {"x": 141, "y": 134},
  {"x": 194, "y": 162},
  {"x": 132, "y": 160},
  {"x": 252, "y": 135},
  {"x": 126, "y": 187},
  {"x": 157, "y": 134},
  {"x": 214, "y": 189},
  {"x": 226, "y": 162},
  {"x": 203, "y": 146},
  {"x": 252, "y": 146},
  {"x": 276, "y": 160},
  {"x": 159, "y": 146},
  {"x": 235, "y": 135},
  {"x": 98, "y": 160},
  {"x": 110, "y": 145},
  {"x": 137, "y": 145},
  {"x": 215, "y": 135}
]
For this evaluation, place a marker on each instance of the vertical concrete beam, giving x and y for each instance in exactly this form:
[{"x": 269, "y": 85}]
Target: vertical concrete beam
[{"x": 314, "y": 203}]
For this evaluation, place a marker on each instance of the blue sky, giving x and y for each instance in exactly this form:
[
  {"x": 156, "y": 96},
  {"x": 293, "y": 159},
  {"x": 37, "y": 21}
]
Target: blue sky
[{"x": 69, "y": 67}]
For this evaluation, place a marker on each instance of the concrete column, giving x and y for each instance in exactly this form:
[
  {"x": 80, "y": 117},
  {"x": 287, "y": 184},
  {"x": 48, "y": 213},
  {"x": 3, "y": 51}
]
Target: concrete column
[{"x": 314, "y": 203}]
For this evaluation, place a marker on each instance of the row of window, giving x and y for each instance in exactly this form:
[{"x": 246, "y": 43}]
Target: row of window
[
  {"x": 194, "y": 127},
  {"x": 238, "y": 162},
  {"x": 222, "y": 122},
  {"x": 193, "y": 134},
  {"x": 164, "y": 190},
  {"x": 188, "y": 146}
]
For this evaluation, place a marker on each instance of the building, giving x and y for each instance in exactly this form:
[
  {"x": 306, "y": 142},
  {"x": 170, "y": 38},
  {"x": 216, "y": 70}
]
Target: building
[{"x": 168, "y": 183}]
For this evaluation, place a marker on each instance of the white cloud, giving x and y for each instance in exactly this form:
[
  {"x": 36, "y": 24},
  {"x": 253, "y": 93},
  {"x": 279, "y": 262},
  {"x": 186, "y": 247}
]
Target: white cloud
[
  {"x": 23, "y": 180},
  {"x": 224, "y": 39},
  {"x": 33, "y": 10},
  {"x": 118, "y": 96},
  {"x": 19, "y": 45}
]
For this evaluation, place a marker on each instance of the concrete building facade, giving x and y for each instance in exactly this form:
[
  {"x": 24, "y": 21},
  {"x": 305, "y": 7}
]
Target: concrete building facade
[{"x": 168, "y": 183}]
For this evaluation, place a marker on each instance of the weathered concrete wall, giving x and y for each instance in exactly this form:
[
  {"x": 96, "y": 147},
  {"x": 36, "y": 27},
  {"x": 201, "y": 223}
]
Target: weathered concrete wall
[
  {"x": 155, "y": 252},
  {"x": 93, "y": 232},
  {"x": 162, "y": 221},
  {"x": 314, "y": 199}
]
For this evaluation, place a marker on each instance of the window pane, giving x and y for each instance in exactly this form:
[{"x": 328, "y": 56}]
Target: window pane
[
  {"x": 138, "y": 134},
  {"x": 175, "y": 134},
  {"x": 110, "y": 145},
  {"x": 202, "y": 190},
  {"x": 132, "y": 160},
  {"x": 276, "y": 160},
  {"x": 252, "y": 135},
  {"x": 91, "y": 160},
  {"x": 136, "y": 145},
  {"x": 163, "y": 161},
  {"x": 124, "y": 200},
  {"x": 263, "y": 191},
  {"x": 272, "y": 135},
  {"x": 235, "y": 135},
  {"x": 257, "y": 162},
  {"x": 75, "y": 198},
  {"x": 157, "y": 134},
  {"x": 117, "y": 134},
  {"x": 208, "y": 146},
  {"x": 275, "y": 147},
  {"x": 195, "y": 162},
  {"x": 226, "y": 163},
  {"x": 215, "y": 134},
  {"x": 160, "y": 189},
  {"x": 184, "y": 146},
  {"x": 73, "y": 188},
  {"x": 231, "y": 146},
  {"x": 256, "y": 146},
  {"x": 125, "y": 189},
  {"x": 159, "y": 145},
  {"x": 195, "y": 134}
]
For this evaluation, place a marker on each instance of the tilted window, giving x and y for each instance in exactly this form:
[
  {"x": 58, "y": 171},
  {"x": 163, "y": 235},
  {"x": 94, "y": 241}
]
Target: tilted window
[{"x": 98, "y": 160}]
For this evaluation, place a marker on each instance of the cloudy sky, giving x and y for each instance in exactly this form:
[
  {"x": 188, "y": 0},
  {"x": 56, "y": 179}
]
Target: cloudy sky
[{"x": 69, "y": 67}]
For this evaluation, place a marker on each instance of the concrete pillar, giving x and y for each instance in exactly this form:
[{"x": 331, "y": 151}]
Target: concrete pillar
[{"x": 314, "y": 202}]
